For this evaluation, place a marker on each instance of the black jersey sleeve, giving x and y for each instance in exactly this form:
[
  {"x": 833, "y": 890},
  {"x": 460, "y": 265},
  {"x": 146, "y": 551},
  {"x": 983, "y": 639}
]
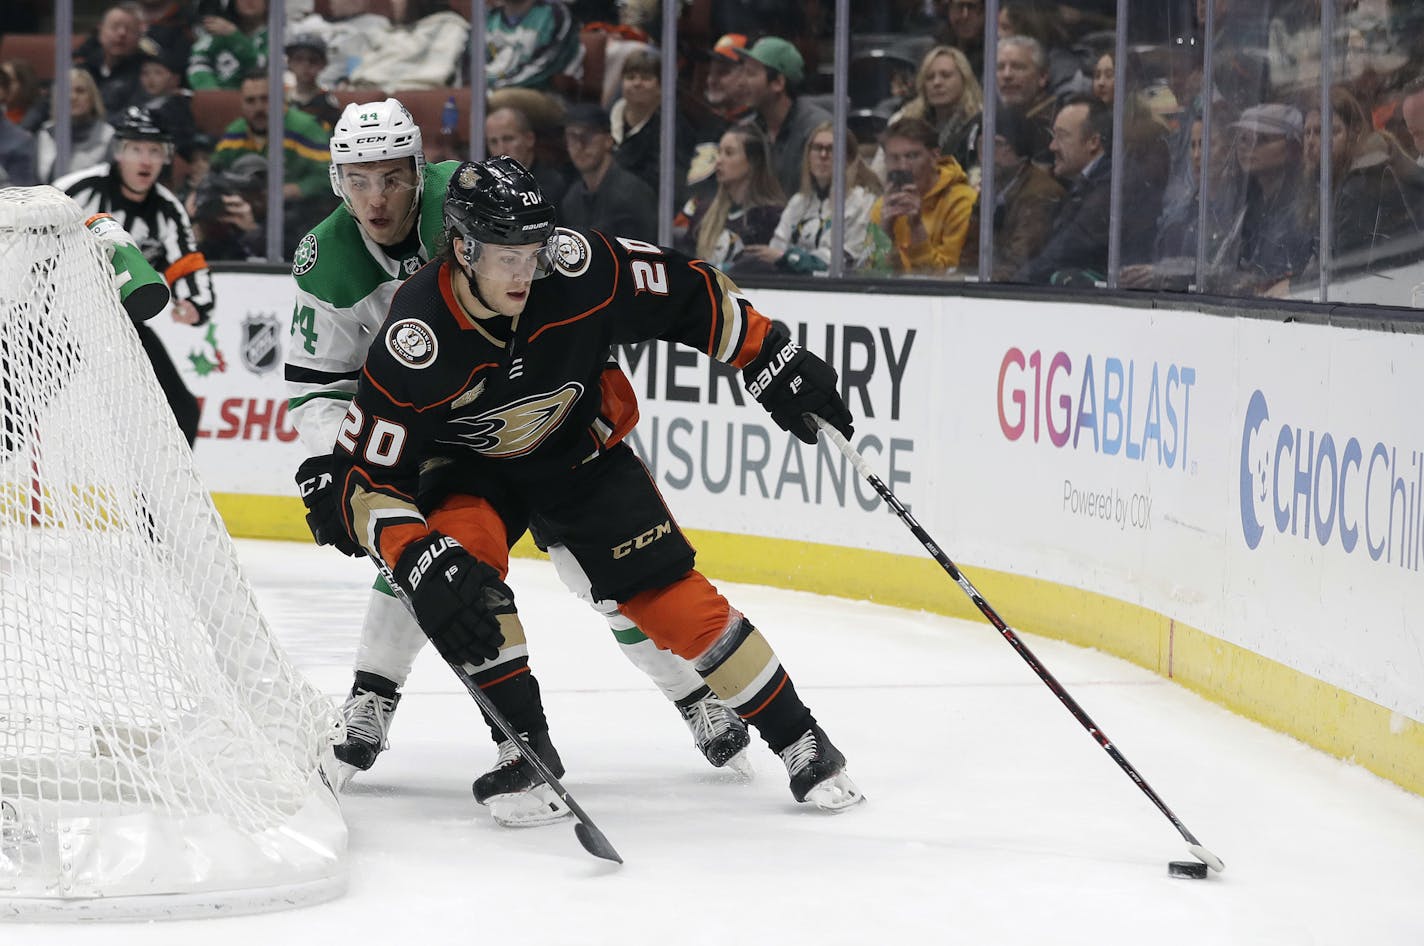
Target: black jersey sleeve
[
  {"x": 376, "y": 464},
  {"x": 661, "y": 293}
]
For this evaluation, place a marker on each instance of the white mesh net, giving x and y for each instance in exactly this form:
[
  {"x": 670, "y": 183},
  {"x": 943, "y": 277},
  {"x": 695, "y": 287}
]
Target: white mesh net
[{"x": 158, "y": 752}]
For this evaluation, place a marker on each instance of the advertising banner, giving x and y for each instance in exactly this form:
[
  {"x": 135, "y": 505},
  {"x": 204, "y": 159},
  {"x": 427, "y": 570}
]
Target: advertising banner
[{"x": 1261, "y": 481}]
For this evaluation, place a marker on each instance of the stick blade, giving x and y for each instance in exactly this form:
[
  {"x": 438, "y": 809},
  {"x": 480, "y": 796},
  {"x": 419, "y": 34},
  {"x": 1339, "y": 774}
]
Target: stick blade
[
  {"x": 595, "y": 843},
  {"x": 1207, "y": 858}
]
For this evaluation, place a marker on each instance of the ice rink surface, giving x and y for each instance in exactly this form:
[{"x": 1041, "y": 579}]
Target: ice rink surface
[{"x": 992, "y": 817}]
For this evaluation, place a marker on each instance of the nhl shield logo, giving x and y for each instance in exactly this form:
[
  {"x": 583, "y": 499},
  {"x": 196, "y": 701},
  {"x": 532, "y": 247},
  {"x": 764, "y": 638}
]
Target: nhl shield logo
[{"x": 261, "y": 342}]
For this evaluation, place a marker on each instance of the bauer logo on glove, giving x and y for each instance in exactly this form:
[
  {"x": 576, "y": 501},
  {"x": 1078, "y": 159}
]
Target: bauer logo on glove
[
  {"x": 758, "y": 384},
  {"x": 793, "y": 384}
]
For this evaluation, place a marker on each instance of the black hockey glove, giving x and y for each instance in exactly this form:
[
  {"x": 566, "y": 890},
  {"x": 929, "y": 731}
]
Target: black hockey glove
[
  {"x": 324, "y": 506},
  {"x": 457, "y": 598},
  {"x": 790, "y": 383}
]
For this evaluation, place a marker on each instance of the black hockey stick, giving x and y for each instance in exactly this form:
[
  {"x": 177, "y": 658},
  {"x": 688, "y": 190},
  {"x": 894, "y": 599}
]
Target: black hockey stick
[
  {"x": 593, "y": 840},
  {"x": 1193, "y": 845}
]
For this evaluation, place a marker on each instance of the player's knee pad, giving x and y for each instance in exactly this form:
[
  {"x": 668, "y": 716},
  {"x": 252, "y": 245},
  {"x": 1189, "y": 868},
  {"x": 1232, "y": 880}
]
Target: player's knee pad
[
  {"x": 390, "y": 638},
  {"x": 686, "y": 616}
]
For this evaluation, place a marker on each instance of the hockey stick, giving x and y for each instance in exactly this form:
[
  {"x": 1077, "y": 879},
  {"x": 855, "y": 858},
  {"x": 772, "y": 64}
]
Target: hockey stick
[
  {"x": 1193, "y": 845},
  {"x": 593, "y": 840}
]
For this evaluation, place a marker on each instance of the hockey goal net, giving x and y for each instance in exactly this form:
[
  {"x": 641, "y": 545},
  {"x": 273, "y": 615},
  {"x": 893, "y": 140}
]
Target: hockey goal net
[{"x": 159, "y": 755}]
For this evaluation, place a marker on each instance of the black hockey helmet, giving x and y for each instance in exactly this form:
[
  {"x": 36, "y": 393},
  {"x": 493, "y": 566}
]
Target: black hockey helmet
[
  {"x": 498, "y": 201},
  {"x": 138, "y": 124}
]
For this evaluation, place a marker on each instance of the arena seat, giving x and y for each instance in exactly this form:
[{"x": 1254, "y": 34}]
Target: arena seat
[
  {"x": 35, "y": 48},
  {"x": 215, "y": 109}
]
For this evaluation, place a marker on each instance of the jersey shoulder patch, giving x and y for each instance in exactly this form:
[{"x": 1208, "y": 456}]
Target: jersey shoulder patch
[
  {"x": 333, "y": 264},
  {"x": 571, "y": 251},
  {"x": 412, "y": 343},
  {"x": 305, "y": 257}
]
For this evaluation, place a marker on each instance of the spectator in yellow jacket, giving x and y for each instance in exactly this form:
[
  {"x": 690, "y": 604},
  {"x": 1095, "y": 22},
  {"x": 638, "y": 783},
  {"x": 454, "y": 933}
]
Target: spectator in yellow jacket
[{"x": 927, "y": 203}]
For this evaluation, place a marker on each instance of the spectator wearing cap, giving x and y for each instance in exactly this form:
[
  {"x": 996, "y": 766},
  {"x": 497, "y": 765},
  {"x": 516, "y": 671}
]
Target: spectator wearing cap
[
  {"x": 1267, "y": 243},
  {"x": 1026, "y": 197},
  {"x": 531, "y": 42},
  {"x": 166, "y": 100},
  {"x": 605, "y": 196},
  {"x": 726, "y": 88},
  {"x": 636, "y": 120},
  {"x": 351, "y": 32},
  {"x": 306, "y": 60},
  {"x": 111, "y": 56},
  {"x": 774, "y": 71},
  {"x": 726, "y": 97},
  {"x": 229, "y": 46},
  {"x": 1077, "y": 249},
  {"x": 508, "y": 131}
]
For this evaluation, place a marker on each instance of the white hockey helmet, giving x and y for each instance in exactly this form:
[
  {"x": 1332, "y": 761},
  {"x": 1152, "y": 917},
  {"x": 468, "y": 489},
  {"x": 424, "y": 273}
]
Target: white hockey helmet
[{"x": 375, "y": 131}]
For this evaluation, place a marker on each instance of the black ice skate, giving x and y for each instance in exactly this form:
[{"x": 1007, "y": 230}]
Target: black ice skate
[
  {"x": 818, "y": 774},
  {"x": 515, "y": 794},
  {"x": 367, "y": 716},
  {"x": 718, "y": 732}
]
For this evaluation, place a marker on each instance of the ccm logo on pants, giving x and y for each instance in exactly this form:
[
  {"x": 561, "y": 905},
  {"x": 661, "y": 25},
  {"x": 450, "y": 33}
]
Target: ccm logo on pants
[{"x": 643, "y": 541}]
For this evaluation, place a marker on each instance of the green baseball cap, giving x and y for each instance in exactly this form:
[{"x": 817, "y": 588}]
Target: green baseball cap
[{"x": 776, "y": 53}]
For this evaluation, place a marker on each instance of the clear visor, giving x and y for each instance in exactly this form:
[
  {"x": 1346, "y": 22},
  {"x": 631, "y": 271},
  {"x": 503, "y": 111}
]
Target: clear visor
[
  {"x": 511, "y": 263},
  {"x": 361, "y": 183},
  {"x": 140, "y": 148}
]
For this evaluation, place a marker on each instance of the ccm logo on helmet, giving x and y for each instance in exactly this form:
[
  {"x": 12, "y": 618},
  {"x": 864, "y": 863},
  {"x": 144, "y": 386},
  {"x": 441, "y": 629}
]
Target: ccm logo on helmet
[
  {"x": 772, "y": 368},
  {"x": 622, "y": 549}
]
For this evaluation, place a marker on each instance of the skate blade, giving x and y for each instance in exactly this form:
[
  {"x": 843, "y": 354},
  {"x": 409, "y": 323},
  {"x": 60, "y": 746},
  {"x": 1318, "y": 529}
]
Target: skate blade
[
  {"x": 741, "y": 766},
  {"x": 528, "y": 809},
  {"x": 345, "y": 772},
  {"x": 835, "y": 794}
]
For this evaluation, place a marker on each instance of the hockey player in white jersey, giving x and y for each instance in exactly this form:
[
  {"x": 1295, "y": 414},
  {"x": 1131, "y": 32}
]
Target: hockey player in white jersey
[{"x": 346, "y": 270}]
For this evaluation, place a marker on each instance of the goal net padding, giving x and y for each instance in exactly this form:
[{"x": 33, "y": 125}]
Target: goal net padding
[{"x": 159, "y": 754}]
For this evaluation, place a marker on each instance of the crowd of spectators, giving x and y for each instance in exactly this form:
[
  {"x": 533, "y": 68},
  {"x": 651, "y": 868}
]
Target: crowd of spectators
[{"x": 754, "y": 139}]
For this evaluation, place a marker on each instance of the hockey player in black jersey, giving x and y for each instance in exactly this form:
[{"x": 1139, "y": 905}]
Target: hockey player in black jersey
[
  {"x": 484, "y": 402},
  {"x": 129, "y": 191}
]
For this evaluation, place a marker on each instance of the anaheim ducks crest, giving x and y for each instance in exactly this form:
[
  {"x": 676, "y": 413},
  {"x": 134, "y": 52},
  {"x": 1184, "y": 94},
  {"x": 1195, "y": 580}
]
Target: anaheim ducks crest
[
  {"x": 412, "y": 343},
  {"x": 572, "y": 254},
  {"x": 518, "y": 428}
]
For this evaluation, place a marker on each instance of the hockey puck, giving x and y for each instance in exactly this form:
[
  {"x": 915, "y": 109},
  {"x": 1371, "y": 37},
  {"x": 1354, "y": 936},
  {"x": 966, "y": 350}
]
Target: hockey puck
[{"x": 1192, "y": 870}]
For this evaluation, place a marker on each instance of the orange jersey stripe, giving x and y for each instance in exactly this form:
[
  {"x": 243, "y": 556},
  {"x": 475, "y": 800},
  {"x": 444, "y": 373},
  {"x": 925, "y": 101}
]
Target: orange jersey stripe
[
  {"x": 779, "y": 687},
  {"x": 508, "y": 676},
  {"x": 757, "y": 327}
]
